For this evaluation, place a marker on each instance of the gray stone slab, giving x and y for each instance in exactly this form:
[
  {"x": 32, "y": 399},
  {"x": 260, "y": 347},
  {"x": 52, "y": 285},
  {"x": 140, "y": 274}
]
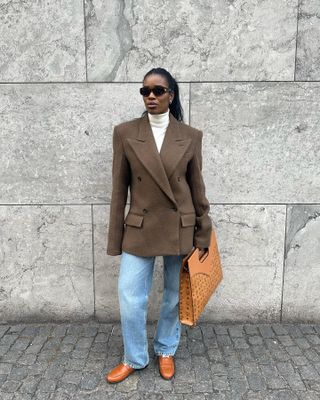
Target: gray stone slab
[
  {"x": 302, "y": 265},
  {"x": 42, "y": 41},
  {"x": 308, "y": 52},
  {"x": 196, "y": 41},
  {"x": 46, "y": 263},
  {"x": 251, "y": 241},
  {"x": 260, "y": 142}
]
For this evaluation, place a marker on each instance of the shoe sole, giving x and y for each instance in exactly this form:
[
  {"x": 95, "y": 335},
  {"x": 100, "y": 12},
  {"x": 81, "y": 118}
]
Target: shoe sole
[{"x": 167, "y": 379}]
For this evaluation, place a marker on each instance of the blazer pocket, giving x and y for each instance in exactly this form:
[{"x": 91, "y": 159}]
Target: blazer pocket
[
  {"x": 188, "y": 219},
  {"x": 134, "y": 220}
]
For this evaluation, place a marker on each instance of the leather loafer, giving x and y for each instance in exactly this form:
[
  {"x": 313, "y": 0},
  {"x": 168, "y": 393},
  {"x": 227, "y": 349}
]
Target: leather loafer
[
  {"x": 119, "y": 373},
  {"x": 166, "y": 366}
]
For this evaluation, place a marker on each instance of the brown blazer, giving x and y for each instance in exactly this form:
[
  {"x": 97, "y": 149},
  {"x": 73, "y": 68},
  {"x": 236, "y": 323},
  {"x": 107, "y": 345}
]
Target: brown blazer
[{"x": 168, "y": 212}]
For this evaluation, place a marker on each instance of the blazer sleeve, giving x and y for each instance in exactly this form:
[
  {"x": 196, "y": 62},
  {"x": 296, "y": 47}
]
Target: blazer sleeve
[
  {"x": 120, "y": 184},
  {"x": 195, "y": 180}
]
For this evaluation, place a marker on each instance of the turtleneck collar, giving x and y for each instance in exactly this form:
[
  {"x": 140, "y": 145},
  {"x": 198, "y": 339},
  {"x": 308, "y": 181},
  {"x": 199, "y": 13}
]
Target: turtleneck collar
[{"x": 159, "y": 120}]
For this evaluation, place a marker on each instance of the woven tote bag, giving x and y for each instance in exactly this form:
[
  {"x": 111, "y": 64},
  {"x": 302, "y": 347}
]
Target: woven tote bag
[{"x": 199, "y": 279}]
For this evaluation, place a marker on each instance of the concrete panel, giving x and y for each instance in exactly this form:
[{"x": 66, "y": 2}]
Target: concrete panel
[
  {"x": 301, "y": 292},
  {"x": 56, "y": 140},
  {"x": 207, "y": 40},
  {"x": 308, "y": 50},
  {"x": 251, "y": 244},
  {"x": 45, "y": 263},
  {"x": 261, "y": 145},
  {"x": 42, "y": 41}
]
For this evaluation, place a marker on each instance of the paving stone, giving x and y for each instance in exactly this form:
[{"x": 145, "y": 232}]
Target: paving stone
[
  {"x": 8, "y": 339},
  {"x": 29, "y": 385},
  {"x": 272, "y": 378},
  {"x": 294, "y": 331},
  {"x": 302, "y": 343},
  {"x": 194, "y": 333},
  {"x": 3, "y": 330},
  {"x": 285, "y": 340},
  {"x": 89, "y": 381},
  {"x": 3, "y": 378},
  {"x": 59, "y": 330},
  {"x": 255, "y": 340},
  {"x": 236, "y": 331},
  {"x": 308, "y": 372},
  {"x": 224, "y": 340},
  {"x": 31, "y": 331},
  {"x": 46, "y": 385},
  {"x": 312, "y": 355},
  {"x": 300, "y": 360},
  {"x": 307, "y": 329},
  {"x": 220, "y": 383},
  {"x": 207, "y": 331},
  {"x": 202, "y": 386},
  {"x": 291, "y": 376},
  {"x": 18, "y": 373},
  {"x": 266, "y": 331},
  {"x": 5, "y": 368},
  {"x": 250, "y": 329},
  {"x": 220, "y": 329},
  {"x": 294, "y": 351},
  {"x": 256, "y": 381},
  {"x": 282, "y": 395},
  {"x": 240, "y": 343},
  {"x": 279, "y": 329},
  {"x": 10, "y": 386},
  {"x": 196, "y": 347},
  {"x": 16, "y": 328},
  {"x": 246, "y": 355},
  {"x": 84, "y": 343}
]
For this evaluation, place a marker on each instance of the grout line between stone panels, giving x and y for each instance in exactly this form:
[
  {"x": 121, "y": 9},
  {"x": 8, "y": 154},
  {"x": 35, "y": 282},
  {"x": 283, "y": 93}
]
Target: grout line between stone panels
[
  {"x": 103, "y": 204},
  {"x": 138, "y": 82},
  {"x": 85, "y": 40},
  {"x": 296, "y": 49},
  {"x": 283, "y": 263},
  {"x": 93, "y": 262},
  {"x": 189, "y": 103}
]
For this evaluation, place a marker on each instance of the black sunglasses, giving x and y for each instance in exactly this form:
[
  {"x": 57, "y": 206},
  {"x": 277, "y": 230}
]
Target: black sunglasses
[{"x": 156, "y": 90}]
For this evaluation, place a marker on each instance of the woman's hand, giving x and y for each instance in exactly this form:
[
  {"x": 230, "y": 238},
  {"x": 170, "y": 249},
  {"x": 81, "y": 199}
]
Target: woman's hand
[{"x": 202, "y": 250}]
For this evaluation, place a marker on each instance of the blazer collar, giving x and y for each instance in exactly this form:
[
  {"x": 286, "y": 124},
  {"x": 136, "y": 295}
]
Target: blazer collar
[{"x": 160, "y": 165}]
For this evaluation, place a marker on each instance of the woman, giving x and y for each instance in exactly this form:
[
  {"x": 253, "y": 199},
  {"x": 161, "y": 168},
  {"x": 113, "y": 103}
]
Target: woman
[{"x": 159, "y": 157}]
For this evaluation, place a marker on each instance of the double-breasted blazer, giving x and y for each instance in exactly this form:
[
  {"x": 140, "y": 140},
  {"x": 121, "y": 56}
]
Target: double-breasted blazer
[{"x": 168, "y": 212}]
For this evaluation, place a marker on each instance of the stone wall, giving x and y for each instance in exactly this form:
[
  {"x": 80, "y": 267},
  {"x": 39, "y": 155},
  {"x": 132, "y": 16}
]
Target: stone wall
[{"x": 249, "y": 78}]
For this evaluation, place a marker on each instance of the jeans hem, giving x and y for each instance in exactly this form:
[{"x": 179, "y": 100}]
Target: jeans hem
[
  {"x": 132, "y": 365},
  {"x": 164, "y": 354}
]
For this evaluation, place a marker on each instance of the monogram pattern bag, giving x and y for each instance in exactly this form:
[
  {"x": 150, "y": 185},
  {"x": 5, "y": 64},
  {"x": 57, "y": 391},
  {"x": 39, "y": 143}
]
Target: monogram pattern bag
[{"x": 199, "y": 278}]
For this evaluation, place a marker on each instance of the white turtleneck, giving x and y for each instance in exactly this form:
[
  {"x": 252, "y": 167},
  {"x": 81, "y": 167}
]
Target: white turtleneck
[{"x": 159, "y": 124}]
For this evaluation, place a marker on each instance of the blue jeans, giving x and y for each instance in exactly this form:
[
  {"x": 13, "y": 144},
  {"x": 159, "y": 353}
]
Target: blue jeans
[{"x": 134, "y": 284}]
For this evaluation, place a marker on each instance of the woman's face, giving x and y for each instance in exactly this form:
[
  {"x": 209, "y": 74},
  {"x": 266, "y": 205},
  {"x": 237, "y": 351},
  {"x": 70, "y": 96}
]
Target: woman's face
[{"x": 157, "y": 104}]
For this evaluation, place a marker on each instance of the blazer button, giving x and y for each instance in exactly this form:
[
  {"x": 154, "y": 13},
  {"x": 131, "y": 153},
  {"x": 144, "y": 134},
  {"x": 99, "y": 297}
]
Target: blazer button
[
  {"x": 145, "y": 210},
  {"x": 178, "y": 178},
  {"x": 139, "y": 178}
]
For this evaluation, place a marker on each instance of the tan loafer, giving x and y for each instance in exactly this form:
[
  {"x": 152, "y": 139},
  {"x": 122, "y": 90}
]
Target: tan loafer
[
  {"x": 119, "y": 373},
  {"x": 166, "y": 366}
]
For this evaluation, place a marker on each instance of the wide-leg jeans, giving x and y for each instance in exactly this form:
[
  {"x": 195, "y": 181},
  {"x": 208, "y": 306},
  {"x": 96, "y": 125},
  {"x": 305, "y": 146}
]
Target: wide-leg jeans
[{"x": 134, "y": 284}]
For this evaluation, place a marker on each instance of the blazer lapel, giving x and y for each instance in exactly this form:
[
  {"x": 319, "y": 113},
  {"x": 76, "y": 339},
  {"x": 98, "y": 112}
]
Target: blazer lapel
[{"x": 160, "y": 165}]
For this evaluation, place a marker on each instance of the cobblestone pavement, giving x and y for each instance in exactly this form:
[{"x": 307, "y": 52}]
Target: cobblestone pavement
[{"x": 213, "y": 361}]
